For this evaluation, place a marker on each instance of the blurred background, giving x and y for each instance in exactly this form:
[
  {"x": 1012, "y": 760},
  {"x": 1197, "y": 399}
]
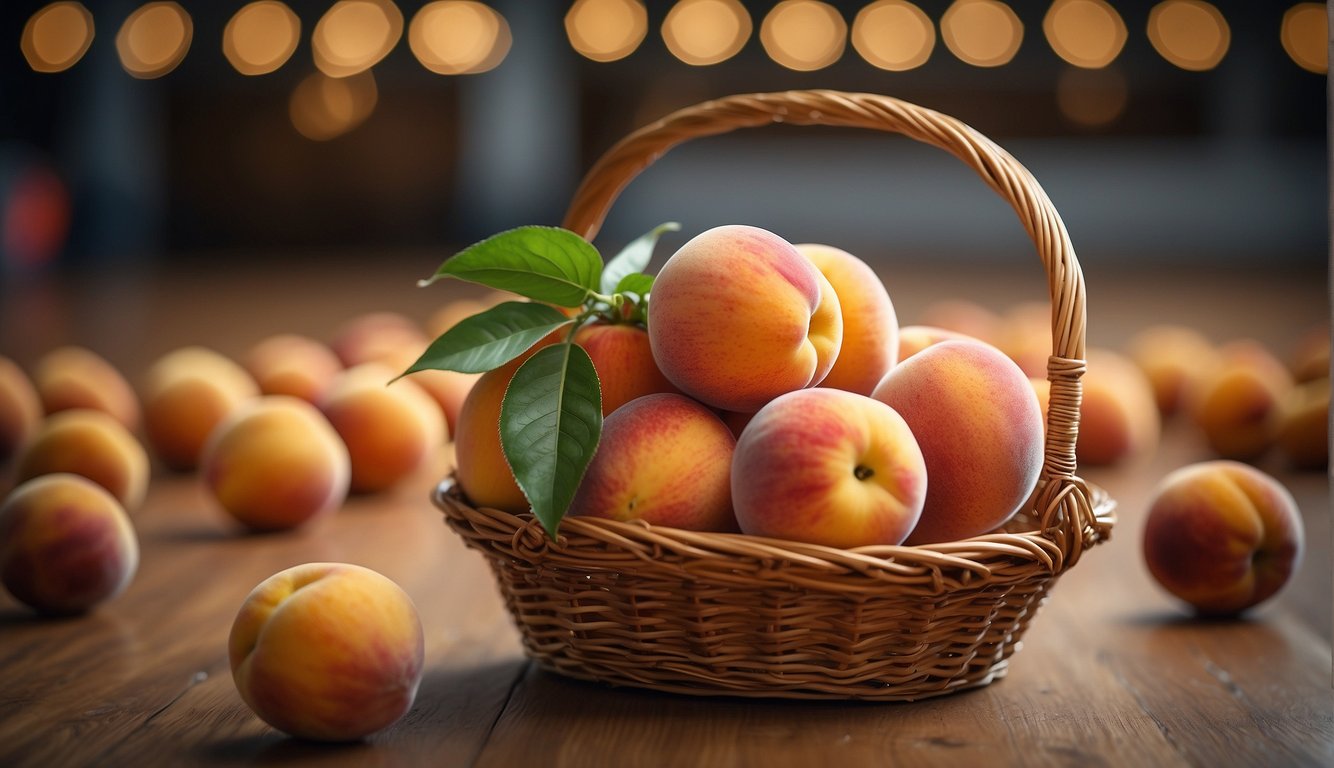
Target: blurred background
[{"x": 131, "y": 133}]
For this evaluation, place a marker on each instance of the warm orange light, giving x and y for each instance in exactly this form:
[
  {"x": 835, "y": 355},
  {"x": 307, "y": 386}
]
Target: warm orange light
[
  {"x": 606, "y": 30},
  {"x": 1092, "y": 97},
  {"x": 1305, "y": 36},
  {"x": 261, "y": 37},
  {"x": 353, "y": 35},
  {"x": 1086, "y": 33},
  {"x": 1191, "y": 34},
  {"x": 154, "y": 39},
  {"x": 324, "y": 107},
  {"x": 703, "y": 32},
  {"x": 458, "y": 37},
  {"x": 984, "y": 33},
  {"x": 804, "y": 35},
  {"x": 57, "y": 36},
  {"x": 894, "y": 35}
]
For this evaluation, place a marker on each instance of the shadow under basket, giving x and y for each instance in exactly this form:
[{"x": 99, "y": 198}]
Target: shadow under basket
[{"x": 730, "y": 614}]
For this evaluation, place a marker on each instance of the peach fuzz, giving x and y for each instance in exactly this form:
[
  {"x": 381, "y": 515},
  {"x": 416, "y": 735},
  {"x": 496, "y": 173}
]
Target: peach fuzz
[
  {"x": 870, "y": 345},
  {"x": 378, "y": 337},
  {"x": 915, "y": 338},
  {"x": 327, "y": 651},
  {"x": 185, "y": 394},
  {"x": 977, "y": 420},
  {"x": 830, "y": 467},
  {"x": 66, "y": 544},
  {"x": 93, "y": 444},
  {"x": 1239, "y": 407},
  {"x": 1176, "y": 360},
  {"x": 391, "y": 430},
  {"x": 738, "y": 317},
  {"x": 292, "y": 364},
  {"x": 1303, "y": 436},
  {"x": 20, "y": 410},
  {"x": 664, "y": 459},
  {"x": 1222, "y": 536},
  {"x": 1118, "y": 415},
  {"x": 276, "y": 463},
  {"x": 624, "y": 362},
  {"x": 76, "y": 377}
]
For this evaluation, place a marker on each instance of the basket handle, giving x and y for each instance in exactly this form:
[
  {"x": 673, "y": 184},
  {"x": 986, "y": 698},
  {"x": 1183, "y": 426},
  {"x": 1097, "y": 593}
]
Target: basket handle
[{"x": 1064, "y": 510}]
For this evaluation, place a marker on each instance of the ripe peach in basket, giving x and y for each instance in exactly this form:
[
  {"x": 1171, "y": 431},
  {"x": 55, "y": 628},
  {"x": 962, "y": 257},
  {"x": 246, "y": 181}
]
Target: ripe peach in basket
[
  {"x": 93, "y": 444},
  {"x": 828, "y": 467},
  {"x": 20, "y": 410},
  {"x": 1222, "y": 536},
  {"x": 77, "y": 377},
  {"x": 327, "y": 651},
  {"x": 390, "y": 430},
  {"x": 870, "y": 344},
  {"x": 66, "y": 545},
  {"x": 292, "y": 364},
  {"x": 186, "y": 393},
  {"x": 1240, "y": 406},
  {"x": 664, "y": 459},
  {"x": 624, "y": 362},
  {"x": 977, "y": 419},
  {"x": 739, "y": 317},
  {"x": 1176, "y": 359},
  {"x": 1118, "y": 416},
  {"x": 276, "y": 463}
]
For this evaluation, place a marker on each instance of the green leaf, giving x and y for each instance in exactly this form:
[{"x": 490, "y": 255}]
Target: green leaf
[
  {"x": 637, "y": 283},
  {"x": 546, "y": 264},
  {"x": 490, "y": 339},
  {"x": 634, "y": 257},
  {"x": 550, "y": 422}
]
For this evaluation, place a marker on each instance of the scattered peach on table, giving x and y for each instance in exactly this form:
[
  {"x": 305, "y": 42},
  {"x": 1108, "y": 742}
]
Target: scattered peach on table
[
  {"x": 870, "y": 345},
  {"x": 1303, "y": 434},
  {"x": 1222, "y": 536},
  {"x": 831, "y": 467},
  {"x": 185, "y": 394},
  {"x": 20, "y": 409},
  {"x": 391, "y": 430},
  {"x": 93, "y": 444},
  {"x": 77, "y": 377},
  {"x": 1118, "y": 415},
  {"x": 276, "y": 463},
  {"x": 739, "y": 317},
  {"x": 378, "y": 337},
  {"x": 66, "y": 544},
  {"x": 448, "y": 389},
  {"x": 1025, "y": 335},
  {"x": 1176, "y": 359},
  {"x": 1239, "y": 407},
  {"x": 1310, "y": 358},
  {"x": 664, "y": 459},
  {"x": 292, "y": 364},
  {"x": 327, "y": 651}
]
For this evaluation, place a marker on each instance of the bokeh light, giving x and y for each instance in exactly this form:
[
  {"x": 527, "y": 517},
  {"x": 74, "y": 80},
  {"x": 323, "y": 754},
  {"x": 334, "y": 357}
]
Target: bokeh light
[
  {"x": 804, "y": 35},
  {"x": 1092, "y": 97},
  {"x": 354, "y": 35},
  {"x": 154, "y": 39},
  {"x": 1086, "y": 33},
  {"x": 1305, "y": 36},
  {"x": 984, "y": 33},
  {"x": 324, "y": 107},
  {"x": 894, "y": 35},
  {"x": 459, "y": 37},
  {"x": 606, "y": 30},
  {"x": 703, "y": 32},
  {"x": 1191, "y": 34},
  {"x": 261, "y": 37},
  {"x": 57, "y": 36}
]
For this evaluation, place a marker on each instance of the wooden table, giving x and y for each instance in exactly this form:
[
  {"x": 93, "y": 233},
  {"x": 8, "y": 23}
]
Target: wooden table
[{"x": 1111, "y": 673}]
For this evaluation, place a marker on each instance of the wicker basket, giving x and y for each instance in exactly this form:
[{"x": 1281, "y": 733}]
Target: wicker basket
[{"x": 710, "y": 613}]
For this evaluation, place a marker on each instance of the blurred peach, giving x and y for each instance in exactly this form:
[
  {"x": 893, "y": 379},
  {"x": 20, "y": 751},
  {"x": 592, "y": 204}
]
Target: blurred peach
[
  {"x": 76, "y": 377},
  {"x": 390, "y": 430},
  {"x": 1025, "y": 336},
  {"x": 915, "y": 338},
  {"x": 20, "y": 410},
  {"x": 1176, "y": 359},
  {"x": 963, "y": 316},
  {"x": 186, "y": 393},
  {"x": 1118, "y": 417},
  {"x": 1303, "y": 435},
  {"x": 93, "y": 444},
  {"x": 1239, "y": 407},
  {"x": 379, "y": 337},
  {"x": 292, "y": 364},
  {"x": 1310, "y": 359}
]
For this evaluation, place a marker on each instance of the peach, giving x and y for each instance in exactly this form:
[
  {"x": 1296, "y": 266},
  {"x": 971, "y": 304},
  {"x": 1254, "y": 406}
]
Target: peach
[
  {"x": 739, "y": 316},
  {"x": 1310, "y": 358},
  {"x": 1025, "y": 336},
  {"x": 1118, "y": 415},
  {"x": 664, "y": 459},
  {"x": 20, "y": 410},
  {"x": 830, "y": 467},
  {"x": 1239, "y": 407},
  {"x": 1303, "y": 435},
  {"x": 93, "y": 444},
  {"x": 66, "y": 544},
  {"x": 185, "y": 394},
  {"x": 327, "y": 651},
  {"x": 915, "y": 338},
  {"x": 964, "y": 317},
  {"x": 77, "y": 377},
  {"x": 977, "y": 420},
  {"x": 391, "y": 431},
  {"x": 378, "y": 337},
  {"x": 448, "y": 389},
  {"x": 1176, "y": 359},
  {"x": 450, "y": 314},
  {"x": 870, "y": 344},
  {"x": 292, "y": 364},
  {"x": 624, "y": 362},
  {"x": 1222, "y": 536},
  {"x": 276, "y": 463}
]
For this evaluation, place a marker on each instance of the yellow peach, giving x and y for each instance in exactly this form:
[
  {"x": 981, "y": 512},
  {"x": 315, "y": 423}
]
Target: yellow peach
[
  {"x": 1303, "y": 435},
  {"x": 77, "y": 377},
  {"x": 624, "y": 363},
  {"x": 391, "y": 430},
  {"x": 292, "y": 364},
  {"x": 20, "y": 410},
  {"x": 93, "y": 444},
  {"x": 185, "y": 394},
  {"x": 1176, "y": 359},
  {"x": 870, "y": 345},
  {"x": 1118, "y": 416},
  {"x": 1239, "y": 407}
]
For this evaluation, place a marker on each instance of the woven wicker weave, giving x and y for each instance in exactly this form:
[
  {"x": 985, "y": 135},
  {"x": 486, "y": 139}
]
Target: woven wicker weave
[{"x": 710, "y": 613}]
